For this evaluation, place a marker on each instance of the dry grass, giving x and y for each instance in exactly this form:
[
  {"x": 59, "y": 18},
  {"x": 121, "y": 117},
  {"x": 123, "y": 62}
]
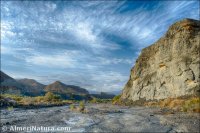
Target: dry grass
[
  {"x": 175, "y": 103},
  {"x": 191, "y": 104},
  {"x": 150, "y": 103}
]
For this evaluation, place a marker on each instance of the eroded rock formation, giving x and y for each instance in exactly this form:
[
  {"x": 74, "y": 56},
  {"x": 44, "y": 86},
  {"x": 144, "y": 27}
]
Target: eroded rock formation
[{"x": 169, "y": 67}]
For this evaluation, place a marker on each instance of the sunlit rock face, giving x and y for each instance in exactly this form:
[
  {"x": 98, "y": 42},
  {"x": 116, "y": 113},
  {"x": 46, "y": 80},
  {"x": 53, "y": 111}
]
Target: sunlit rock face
[{"x": 169, "y": 67}]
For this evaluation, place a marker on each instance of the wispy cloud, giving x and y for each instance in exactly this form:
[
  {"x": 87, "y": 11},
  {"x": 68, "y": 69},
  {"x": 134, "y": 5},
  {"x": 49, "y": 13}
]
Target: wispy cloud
[
  {"x": 57, "y": 61},
  {"x": 106, "y": 61},
  {"x": 88, "y": 43},
  {"x": 6, "y": 30}
]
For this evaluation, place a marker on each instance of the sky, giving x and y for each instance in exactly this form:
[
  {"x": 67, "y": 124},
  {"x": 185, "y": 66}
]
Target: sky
[{"x": 92, "y": 44}]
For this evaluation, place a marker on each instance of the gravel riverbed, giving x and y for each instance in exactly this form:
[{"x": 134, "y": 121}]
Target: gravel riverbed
[{"x": 102, "y": 118}]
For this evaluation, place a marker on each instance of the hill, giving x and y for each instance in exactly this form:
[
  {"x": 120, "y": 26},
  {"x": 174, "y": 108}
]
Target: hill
[{"x": 67, "y": 91}]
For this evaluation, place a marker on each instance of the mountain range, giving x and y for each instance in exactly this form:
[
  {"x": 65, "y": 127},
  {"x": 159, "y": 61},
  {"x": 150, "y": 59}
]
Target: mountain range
[{"x": 30, "y": 87}]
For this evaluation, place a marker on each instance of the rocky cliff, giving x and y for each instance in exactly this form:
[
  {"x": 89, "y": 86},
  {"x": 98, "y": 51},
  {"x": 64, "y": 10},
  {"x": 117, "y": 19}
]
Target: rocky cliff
[{"x": 169, "y": 67}]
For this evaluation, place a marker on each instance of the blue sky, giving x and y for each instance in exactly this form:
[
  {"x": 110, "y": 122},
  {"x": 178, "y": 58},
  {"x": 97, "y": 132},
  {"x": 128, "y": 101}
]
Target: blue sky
[{"x": 93, "y": 44}]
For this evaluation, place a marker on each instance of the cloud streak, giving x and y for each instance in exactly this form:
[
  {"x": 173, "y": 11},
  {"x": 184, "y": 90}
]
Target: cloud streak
[{"x": 93, "y": 44}]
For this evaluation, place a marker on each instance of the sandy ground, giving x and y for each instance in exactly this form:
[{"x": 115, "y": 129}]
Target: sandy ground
[{"x": 102, "y": 118}]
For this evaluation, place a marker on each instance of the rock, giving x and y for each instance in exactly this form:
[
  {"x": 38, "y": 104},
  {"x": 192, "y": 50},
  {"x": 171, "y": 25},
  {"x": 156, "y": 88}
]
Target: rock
[
  {"x": 169, "y": 67},
  {"x": 134, "y": 119},
  {"x": 6, "y": 102}
]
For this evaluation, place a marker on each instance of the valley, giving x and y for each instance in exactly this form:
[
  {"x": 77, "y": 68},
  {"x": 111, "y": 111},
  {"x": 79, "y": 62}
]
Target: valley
[{"x": 83, "y": 69}]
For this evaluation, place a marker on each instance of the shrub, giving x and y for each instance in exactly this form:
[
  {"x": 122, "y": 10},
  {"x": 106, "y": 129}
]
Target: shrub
[
  {"x": 81, "y": 106},
  {"x": 39, "y": 99},
  {"x": 116, "y": 99},
  {"x": 129, "y": 83},
  {"x": 98, "y": 100},
  {"x": 10, "y": 108},
  {"x": 94, "y": 100},
  {"x": 72, "y": 107},
  {"x": 17, "y": 98},
  {"x": 191, "y": 105},
  {"x": 28, "y": 101},
  {"x": 50, "y": 97}
]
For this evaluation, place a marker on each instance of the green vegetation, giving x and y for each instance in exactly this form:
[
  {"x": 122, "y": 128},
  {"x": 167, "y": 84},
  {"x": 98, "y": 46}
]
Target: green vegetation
[
  {"x": 48, "y": 99},
  {"x": 116, "y": 99},
  {"x": 81, "y": 106},
  {"x": 97, "y": 100},
  {"x": 129, "y": 83},
  {"x": 191, "y": 105},
  {"x": 49, "y": 96},
  {"x": 72, "y": 107},
  {"x": 10, "y": 108},
  {"x": 27, "y": 101},
  {"x": 17, "y": 98},
  {"x": 94, "y": 100}
]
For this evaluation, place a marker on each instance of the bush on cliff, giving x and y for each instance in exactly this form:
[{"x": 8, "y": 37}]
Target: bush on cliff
[{"x": 117, "y": 100}]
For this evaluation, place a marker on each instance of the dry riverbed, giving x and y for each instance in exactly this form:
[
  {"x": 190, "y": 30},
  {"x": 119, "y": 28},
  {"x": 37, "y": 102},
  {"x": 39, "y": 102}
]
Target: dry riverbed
[{"x": 103, "y": 118}]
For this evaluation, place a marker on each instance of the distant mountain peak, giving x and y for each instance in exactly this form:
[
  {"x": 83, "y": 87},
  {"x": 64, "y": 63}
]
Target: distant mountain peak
[
  {"x": 5, "y": 77},
  {"x": 57, "y": 82},
  {"x": 59, "y": 87},
  {"x": 31, "y": 87},
  {"x": 24, "y": 86}
]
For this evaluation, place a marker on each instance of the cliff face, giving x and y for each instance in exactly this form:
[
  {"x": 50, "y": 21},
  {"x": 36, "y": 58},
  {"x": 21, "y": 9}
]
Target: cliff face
[{"x": 169, "y": 67}]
